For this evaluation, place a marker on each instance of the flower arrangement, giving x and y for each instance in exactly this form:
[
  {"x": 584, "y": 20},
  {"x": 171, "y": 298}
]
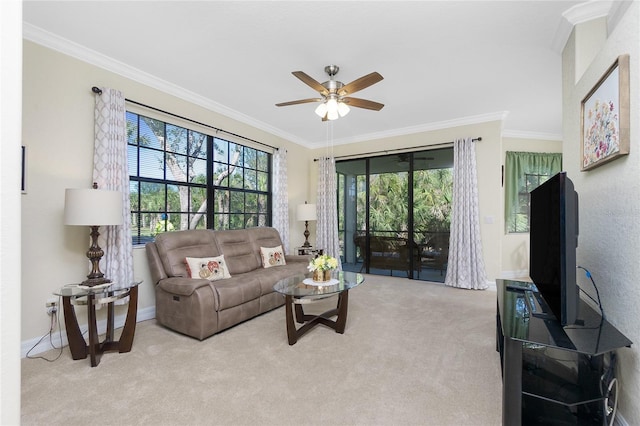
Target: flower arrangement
[
  {"x": 602, "y": 136},
  {"x": 323, "y": 263}
]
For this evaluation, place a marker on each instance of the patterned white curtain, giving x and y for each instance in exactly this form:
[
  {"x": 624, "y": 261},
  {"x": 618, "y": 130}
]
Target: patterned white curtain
[
  {"x": 466, "y": 266},
  {"x": 280, "y": 213},
  {"x": 110, "y": 172},
  {"x": 327, "y": 209}
]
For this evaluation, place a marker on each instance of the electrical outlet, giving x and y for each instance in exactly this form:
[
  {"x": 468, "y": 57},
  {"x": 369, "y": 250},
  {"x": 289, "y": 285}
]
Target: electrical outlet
[{"x": 52, "y": 305}]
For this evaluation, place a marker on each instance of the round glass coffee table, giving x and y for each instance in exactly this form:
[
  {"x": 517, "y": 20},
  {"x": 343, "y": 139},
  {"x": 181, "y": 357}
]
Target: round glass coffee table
[{"x": 299, "y": 290}]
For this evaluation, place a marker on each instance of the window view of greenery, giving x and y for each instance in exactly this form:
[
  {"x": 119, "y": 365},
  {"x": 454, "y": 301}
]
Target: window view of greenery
[
  {"x": 399, "y": 206},
  {"x": 174, "y": 171},
  {"x": 389, "y": 210}
]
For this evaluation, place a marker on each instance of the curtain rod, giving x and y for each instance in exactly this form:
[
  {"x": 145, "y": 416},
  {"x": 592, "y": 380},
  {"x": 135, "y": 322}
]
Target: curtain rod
[
  {"x": 387, "y": 151},
  {"x": 98, "y": 91}
]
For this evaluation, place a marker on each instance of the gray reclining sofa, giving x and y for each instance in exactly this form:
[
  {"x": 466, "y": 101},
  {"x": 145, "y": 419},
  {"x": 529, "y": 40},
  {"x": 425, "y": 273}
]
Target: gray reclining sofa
[{"x": 200, "y": 307}]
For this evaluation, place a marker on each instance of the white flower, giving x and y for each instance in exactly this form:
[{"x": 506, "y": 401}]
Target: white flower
[{"x": 323, "y": 263}]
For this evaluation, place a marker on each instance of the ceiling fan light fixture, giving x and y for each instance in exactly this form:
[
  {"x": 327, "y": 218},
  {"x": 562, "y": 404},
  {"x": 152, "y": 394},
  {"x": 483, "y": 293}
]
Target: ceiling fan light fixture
[
  {"x": 321, "y": 111},
  {"x": 332, "y": 109},
  {"x": 343, "y": 109}
]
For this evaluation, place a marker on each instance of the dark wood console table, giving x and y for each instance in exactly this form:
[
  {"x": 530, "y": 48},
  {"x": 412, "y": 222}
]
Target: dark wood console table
[
  {"x": 551, "y": 374},
  {"x": 76, "y": 295}
]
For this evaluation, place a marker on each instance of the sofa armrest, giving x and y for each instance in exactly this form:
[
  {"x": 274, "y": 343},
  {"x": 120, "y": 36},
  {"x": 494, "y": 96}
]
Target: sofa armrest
[{"x": 182, "y": 286}]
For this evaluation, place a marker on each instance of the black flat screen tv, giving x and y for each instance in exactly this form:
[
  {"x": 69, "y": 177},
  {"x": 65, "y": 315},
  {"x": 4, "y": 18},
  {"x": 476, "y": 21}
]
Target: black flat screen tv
[{"x": 553, "y": 232}]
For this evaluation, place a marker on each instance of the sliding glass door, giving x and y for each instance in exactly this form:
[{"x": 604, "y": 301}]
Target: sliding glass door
[{"x": 394, "y": 213}]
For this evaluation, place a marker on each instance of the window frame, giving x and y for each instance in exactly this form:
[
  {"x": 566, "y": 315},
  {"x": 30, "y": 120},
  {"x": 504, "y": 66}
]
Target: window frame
[{"x": 197, "y": 175}]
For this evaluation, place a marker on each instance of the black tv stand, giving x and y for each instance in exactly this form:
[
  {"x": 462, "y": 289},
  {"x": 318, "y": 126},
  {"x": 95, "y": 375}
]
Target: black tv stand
[{"x": 551, "y": 373}]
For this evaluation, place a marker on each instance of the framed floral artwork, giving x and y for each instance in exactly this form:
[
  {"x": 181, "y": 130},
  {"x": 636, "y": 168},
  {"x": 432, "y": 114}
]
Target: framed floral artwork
[{"x": 605, "y": 117}]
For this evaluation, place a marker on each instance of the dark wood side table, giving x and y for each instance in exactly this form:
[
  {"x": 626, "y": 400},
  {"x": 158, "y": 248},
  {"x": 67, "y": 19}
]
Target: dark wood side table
[{"x": 78, "y": 295}]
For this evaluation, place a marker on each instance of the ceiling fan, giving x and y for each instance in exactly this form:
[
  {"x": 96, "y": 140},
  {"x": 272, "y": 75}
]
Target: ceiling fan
[{"x": 335, "y": 95}]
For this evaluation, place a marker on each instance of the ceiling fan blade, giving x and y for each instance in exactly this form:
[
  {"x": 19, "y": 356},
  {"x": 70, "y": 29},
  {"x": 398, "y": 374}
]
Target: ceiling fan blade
[
  {"x": 299, "y": 101},
  {"x": 311, "y": 82},
  {"x": 363, "y": 103},
  {"x": 359, "y": 84}
]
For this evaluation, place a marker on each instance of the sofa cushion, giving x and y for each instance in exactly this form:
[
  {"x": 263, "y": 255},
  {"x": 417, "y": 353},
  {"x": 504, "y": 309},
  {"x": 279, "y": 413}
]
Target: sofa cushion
[
  {"x": 262, "y": 236},
  {"x": 238, "y": 251},
  {"x": 272, "y": 256},
  {"x": 210, "y": 268},
  {"x": 174, "y": 247},
  {"x": 237, "y": 290}
]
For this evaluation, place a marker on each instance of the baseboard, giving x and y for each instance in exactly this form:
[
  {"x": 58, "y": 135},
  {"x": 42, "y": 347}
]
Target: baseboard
[{"x": 42, "y": 344}]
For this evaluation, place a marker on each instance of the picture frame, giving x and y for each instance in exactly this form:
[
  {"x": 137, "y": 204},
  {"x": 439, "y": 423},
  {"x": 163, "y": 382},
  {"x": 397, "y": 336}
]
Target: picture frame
[{"x": 605, "y": 117}]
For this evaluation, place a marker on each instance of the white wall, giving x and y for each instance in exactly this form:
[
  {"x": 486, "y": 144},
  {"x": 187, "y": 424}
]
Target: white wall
[
  {"x": 10, "y": 127},
  {"x": 609, "y": 202},
  {"x": 58, "y": 132},
  {"x": 515, "y": 247}
]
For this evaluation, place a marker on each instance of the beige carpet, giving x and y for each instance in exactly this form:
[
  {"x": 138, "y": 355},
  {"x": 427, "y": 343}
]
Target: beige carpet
[{"x": 412, "y": 353}]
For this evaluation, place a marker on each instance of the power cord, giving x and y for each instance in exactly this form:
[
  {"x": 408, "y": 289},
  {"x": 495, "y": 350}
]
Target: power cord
[
  {"x": 609, "y": 389},
  {"x": 55, "y": 319},
  {"x": 598, "y": 302}
]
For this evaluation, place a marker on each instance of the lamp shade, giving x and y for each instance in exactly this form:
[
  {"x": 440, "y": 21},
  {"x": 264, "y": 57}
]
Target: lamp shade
[
  {"x": 92, "y": 207},
  {"x": 306, "y": 212}
]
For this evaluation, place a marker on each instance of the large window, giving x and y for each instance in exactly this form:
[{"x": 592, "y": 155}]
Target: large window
[
  {"x": 524, "y": 172},
  {"x": 175, "y": 171}
]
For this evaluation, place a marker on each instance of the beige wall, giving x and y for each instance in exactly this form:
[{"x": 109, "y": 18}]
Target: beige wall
[
  {"x": 515, "y": 247},
  {"x": 609, "y": 203},
  {"x": 58, "y": 132}
]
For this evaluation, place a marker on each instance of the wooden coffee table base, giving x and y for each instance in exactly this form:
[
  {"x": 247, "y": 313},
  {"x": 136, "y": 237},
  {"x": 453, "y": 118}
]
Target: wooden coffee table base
[{"x": 311, "y": 321}]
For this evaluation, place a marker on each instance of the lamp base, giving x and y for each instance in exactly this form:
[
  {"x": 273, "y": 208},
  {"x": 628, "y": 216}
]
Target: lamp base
[
  {"x": 92, "y": 282},
  {"x": 94, "y": 254},
  {"x": 306, "y": 234}
]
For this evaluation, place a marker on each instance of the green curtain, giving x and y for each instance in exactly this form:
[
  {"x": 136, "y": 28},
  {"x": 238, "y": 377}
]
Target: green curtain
[{"x": 519, "y": 164}]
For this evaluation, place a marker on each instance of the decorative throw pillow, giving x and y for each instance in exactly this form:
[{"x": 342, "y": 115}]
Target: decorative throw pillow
[
  {"x": 210, "y": 268},
  {"x": 273, "y": 256}
]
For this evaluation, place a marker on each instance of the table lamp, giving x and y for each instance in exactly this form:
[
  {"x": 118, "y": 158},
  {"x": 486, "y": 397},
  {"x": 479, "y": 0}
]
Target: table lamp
[
  {"x": 306, "y": 212},
  {"x": 93, "y": 208}
]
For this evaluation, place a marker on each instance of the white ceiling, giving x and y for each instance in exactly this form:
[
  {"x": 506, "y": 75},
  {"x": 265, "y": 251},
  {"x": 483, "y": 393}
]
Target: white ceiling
[{"x": 444, "y": 63}]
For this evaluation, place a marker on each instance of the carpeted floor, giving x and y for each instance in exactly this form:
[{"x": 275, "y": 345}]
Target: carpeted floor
[{"x": 413, "y": 353}]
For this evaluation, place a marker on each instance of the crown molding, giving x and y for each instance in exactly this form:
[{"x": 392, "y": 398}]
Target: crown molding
[
  {"x": 618, "y": 9},
  {"x": 518, "y": 134},
  {"x": 577, "y": 14},
  {"x": 75, "y": 50},
  {"x": 447, "y": 124}
]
